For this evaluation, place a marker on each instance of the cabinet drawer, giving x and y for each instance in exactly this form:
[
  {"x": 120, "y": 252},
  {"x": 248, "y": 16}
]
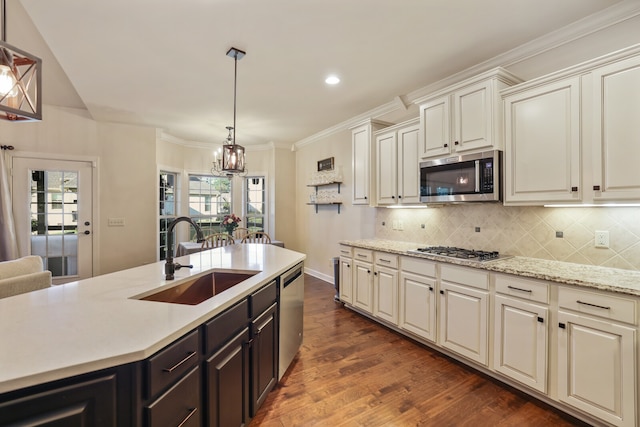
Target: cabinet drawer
[
  {"x": 531, "y": 290},
  {"x": 222, "y": 327},
  {"x": 180, "y": 405},
  {"x": 169, "y": 364},
  {"x": 465, "y": 276},
  {"x": 386, "y": 260},
  {"x": 418, "y": 266},
  {"x": 363, "y": 255},
  {"x": 346, "y": 251},
  {"x": 598, "y": 304},
  {"x": 262, "y": 299}
]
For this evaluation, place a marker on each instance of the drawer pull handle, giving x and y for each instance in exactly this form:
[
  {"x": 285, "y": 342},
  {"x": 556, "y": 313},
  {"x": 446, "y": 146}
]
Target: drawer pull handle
[
  {"x": 174, "y": 367},
  {"x": 519, "y": 289},
  {"x": 384, "y": 260},
  {"x": 362, "y": 255},
  {"x": 593, "y": 305},
  {"x": 189, "y": 415}
]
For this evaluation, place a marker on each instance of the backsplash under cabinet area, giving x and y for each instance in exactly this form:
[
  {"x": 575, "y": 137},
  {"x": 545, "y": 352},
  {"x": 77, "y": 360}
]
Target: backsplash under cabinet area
[{"x": 521, "y": 231}]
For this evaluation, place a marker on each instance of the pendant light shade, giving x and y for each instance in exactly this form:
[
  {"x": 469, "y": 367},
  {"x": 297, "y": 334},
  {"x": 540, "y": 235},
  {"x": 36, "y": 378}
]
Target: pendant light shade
[
  {"x": 232, "y": 157},
  {"x": 20, "y": 80}
]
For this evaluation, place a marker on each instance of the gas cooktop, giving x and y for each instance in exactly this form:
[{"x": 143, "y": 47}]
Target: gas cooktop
[{"x": 459, "y": 253}]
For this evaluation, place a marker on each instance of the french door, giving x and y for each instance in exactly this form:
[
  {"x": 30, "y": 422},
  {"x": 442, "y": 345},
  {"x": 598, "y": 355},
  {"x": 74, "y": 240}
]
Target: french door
[{"x": 52, "y": 207}]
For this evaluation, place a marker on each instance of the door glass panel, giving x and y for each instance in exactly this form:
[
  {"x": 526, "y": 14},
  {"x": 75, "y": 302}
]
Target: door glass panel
[{"x": 54, "y": 220}]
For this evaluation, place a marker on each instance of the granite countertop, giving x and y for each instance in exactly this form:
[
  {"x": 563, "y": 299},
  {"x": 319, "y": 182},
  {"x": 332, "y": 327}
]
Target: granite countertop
[
  {"x": 589, "y": 276},
  {"x": 97, "y": 323}
]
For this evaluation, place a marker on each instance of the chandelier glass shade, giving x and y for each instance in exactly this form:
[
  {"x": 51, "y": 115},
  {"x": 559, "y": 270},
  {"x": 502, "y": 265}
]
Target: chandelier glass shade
[{"x": 20, "y": 80}]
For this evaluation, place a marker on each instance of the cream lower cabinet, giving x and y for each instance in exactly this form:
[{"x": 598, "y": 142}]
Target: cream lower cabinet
[
  {"x": 520, "y": 326},
  {"x": 385, "y": 287},
  {"x": 417, "y": 295},
  {"x": 363, "y": 279},
  {"x": 597, "y": 365},
  {"x": 463, "y": 316},
  {"x": 346, "y": 274}
]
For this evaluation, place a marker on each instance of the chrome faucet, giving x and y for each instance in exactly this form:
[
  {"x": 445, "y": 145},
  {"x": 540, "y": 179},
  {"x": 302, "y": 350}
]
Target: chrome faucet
[{"x": 170, "y": 267}]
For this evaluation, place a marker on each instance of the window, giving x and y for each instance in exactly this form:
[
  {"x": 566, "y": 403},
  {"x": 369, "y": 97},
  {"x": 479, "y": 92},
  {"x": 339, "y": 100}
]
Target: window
[
  {"x": 256, "y": 203},
  {"x": 168, "y": 211},
  {"x": 209, "y": 202}
]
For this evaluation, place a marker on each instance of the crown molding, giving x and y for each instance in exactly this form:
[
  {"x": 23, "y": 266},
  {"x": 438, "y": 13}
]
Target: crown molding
[
  {"x": 163, "y": 136},
  {"x": 625, "y": 10}
]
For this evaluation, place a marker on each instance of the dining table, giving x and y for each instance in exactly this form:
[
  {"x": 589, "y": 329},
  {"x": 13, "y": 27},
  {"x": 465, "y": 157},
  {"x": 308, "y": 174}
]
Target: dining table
[{"x": 186, "y": 248}]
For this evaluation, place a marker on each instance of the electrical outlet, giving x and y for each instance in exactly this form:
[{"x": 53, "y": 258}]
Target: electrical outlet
[
  {"x": 602, "y": 239},
  {"x": 400, "y": 225}
]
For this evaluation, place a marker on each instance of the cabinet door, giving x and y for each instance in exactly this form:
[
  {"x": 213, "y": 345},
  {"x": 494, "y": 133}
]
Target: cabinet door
[
  {"x": 386, "y": 169},
  {"x": 435, "y": 138},
  {"x": 463, "y": 321},
  {"x": 597, "y": 368},
  {"x": 264, "y": 356},
  {"x": 363, "y": 286},
  {"x": 346, "y": 279},
  {"x": 408, "y": 165},
  {"x": 417, "y": 313},
  {"x": 616, "y": 131},
  {"x": 385, "y": 297},
  {"x": 520, "y": 341},
  {"x": 473, "y": 119},
  {"x": 361, "y": 139},
  {"x": 227, "y": 383},
  {"x": 88, "y": 402},
  {"x": 542, "y": 161}
]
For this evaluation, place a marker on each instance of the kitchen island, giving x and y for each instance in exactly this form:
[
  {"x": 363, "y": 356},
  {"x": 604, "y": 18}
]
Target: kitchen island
[{"x": 100, "y": 323}]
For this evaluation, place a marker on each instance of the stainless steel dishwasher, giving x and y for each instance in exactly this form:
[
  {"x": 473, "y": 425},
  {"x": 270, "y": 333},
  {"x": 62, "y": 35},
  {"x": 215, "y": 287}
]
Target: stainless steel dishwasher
[{"x": 291, "y": 316}]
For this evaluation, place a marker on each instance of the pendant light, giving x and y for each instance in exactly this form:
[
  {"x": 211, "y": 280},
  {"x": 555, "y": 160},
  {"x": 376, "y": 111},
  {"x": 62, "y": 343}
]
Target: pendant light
[
  {"x": 230, "y": 158},
  {"x": 20, "y": 80}
]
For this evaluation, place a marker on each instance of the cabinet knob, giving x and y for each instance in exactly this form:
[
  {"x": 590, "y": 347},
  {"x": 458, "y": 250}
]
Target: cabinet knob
[
  {"x": 596, "y": 188},
  {"x": 574, "y": 189},
  {"x": 399, "y": 196},
  {"x": 368, "y": 271},
  {"x": 456, "y": 143},
  {"x": 441, "y": 292},
  {"x": 446, "y": 145},
  {"x": 431, "y": 288},
  {"x": 375, "y": 273},
  {"x": 393, "y": 197}
]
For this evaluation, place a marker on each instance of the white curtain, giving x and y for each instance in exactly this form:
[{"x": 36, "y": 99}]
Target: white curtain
[{"x": 8, "y": 238}]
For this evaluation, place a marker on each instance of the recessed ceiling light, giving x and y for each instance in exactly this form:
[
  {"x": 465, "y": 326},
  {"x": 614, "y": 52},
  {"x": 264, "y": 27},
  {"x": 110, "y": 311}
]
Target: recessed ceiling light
[{"x": 332, "y": 80}]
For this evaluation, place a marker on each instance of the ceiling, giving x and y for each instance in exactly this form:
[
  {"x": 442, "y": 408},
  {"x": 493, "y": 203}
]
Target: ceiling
[{"x": 162, "y": 63}]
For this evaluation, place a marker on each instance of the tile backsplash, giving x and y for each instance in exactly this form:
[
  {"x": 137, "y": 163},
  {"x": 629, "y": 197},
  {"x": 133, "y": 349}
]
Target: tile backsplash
[{"x": 524, "y": 231}]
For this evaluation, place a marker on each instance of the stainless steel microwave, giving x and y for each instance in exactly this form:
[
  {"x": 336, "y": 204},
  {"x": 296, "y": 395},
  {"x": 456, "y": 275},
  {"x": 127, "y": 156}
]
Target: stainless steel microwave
[{"x": 464, "y": 178}]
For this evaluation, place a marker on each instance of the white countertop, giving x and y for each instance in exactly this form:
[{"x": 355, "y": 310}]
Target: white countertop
[
  {"x": 94, "y": 324},
  {"x": 590, "y": 276}
]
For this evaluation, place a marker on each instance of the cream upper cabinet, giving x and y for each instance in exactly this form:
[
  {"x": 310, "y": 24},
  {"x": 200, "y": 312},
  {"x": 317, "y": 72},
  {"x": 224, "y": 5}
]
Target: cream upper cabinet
[
  {"x": 466, "y": 116},
  {"x": 542, "y": 155},
  {"x": 397, "y": 172},
  {"x": 363, "y": 156},
  {"x": 616, "y": 131}
]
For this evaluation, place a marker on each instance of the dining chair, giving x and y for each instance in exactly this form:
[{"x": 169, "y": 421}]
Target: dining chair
[
  {"x": 240, "y": 232},
  {"x": 217, "y": 239},
  {"x": 256, "y": 237}
]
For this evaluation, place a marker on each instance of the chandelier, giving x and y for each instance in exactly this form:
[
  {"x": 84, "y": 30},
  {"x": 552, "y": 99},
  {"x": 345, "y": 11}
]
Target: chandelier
[
  {"x": 20, "y": 80},
  {"x": 229, "y": 159}
]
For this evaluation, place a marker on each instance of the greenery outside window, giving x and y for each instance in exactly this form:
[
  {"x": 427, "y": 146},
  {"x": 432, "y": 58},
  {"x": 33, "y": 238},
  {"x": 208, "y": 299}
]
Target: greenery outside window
[
  {"x": 209, "y": 201},
  {"x": 255, "y": 203},
  {"x": 168, "y": 208}
]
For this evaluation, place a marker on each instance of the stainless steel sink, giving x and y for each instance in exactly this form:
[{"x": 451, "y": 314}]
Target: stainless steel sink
[{"x": 195, "y": 291}]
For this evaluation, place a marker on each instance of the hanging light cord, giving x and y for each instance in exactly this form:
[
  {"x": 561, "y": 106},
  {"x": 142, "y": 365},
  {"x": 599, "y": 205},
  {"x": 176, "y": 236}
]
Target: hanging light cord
[
  {"x": 235, "y": 86},
  {"x": 3, "y": 6}
]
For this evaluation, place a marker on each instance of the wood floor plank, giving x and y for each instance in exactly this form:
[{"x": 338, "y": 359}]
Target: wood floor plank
[{"x": 351, "y": 371}]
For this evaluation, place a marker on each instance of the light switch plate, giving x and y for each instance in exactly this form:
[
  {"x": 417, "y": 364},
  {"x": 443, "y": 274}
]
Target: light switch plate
[{"x": 115, "y": 222}]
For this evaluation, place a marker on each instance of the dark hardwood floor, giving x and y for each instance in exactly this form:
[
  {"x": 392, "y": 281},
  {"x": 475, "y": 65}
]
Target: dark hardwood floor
[{"x": 353, "y": 372}]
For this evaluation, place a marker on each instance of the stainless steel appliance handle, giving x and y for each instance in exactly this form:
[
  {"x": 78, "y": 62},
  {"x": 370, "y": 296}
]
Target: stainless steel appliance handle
[
  {"x": 477, "y": 162},
  {"x": 291, "y": 276}
]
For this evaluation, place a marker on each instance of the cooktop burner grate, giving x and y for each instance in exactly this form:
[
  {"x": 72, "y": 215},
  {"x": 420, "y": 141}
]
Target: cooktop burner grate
[{"x": 459, "y": 253}]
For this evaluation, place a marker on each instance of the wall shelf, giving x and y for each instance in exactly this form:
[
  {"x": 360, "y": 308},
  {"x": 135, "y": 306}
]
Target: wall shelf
[{"x": 325, "y": 184}]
